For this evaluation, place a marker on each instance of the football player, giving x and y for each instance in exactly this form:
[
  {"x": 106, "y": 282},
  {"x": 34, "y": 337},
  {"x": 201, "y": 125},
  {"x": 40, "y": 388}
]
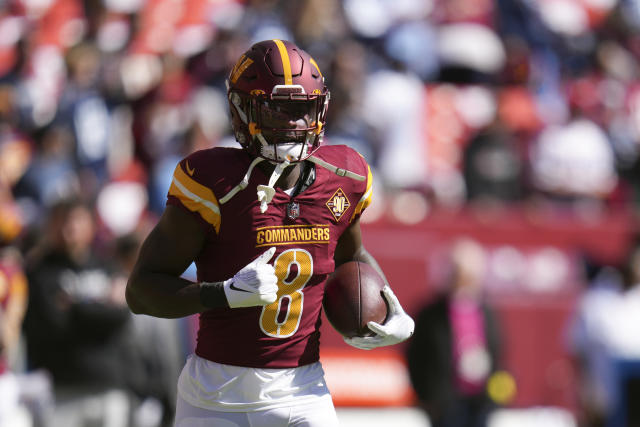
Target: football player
[{"x": 265, "y": 225}]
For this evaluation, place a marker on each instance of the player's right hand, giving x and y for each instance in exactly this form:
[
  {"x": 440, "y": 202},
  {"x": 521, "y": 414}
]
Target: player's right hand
[{"x": 254, "y": 285}]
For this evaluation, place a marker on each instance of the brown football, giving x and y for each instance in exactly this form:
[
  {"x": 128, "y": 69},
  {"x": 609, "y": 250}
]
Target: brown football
[{"x": 353, "y": 297}]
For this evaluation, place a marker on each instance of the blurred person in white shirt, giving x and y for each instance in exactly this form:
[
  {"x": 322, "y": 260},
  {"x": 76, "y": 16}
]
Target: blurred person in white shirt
[
  {"x": 574, "y": 161},
  {"x": 603, "y": 333}
]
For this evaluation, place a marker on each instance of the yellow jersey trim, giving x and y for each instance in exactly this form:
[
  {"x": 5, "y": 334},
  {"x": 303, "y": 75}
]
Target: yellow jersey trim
[
  {"x": 196, "y": 197},
  {"x": 365, "y": 200}
]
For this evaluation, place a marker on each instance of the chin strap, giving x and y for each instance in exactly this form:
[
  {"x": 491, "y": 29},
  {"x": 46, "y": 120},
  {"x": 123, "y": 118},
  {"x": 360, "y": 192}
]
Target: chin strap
[
  {"x": 266, "y": 192},
  {"x": 243, "y": 184}
]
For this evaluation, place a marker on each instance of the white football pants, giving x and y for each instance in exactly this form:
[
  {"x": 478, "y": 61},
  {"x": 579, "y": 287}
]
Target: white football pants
[{"x": 319, "y": 413}]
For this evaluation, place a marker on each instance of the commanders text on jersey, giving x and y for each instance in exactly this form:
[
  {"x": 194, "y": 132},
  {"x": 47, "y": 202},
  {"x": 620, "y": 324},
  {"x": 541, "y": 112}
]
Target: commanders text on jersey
[{"x": 288, "y": 234}]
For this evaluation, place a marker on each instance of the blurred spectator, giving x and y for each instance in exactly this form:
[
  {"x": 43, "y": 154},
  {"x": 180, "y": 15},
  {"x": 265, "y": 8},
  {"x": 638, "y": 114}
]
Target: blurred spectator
[
  {"x": 455, "y": 347},
  {"x": 76, "y": 323},
  {"x": 26, "y": 397},
  {"x": 14, "y": 156},
  {"x": 263, "y": 19},
  {"x": 453, "y": 114},
  {"x": 83, "y": 110},
  {"x": 132, "y": 81},
  {"x": 397, "y": 124},
  {"x": 318, "y": 24},
  {"x": 345, "y": 122},
  {"x": 51, "y": 174},
  {"x": 157, "y": 347},
  {"x": 13, "y": 303},
  {"x": 493, "y": 169},
  {"x": 574, "y": 161},
  {"x": 603, "y": 336}
]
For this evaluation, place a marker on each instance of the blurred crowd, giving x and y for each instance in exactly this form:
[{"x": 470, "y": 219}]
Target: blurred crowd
[
  {"x": 507, "y": 101},
  {"x": 453, "y": 102}
]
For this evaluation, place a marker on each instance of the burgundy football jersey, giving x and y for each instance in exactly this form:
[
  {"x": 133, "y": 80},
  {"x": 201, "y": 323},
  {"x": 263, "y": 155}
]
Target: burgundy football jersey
[{"x": 304, "y": 229}]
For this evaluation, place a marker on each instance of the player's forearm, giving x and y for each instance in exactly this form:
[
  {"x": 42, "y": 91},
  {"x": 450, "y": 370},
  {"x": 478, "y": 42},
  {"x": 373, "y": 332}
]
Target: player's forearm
[
  {"x": 363, "y": 255},
  {"x": 162, "y": 295}
]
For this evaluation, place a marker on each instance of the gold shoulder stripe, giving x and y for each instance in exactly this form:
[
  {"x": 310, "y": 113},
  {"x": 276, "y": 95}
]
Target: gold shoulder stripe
[
  {"x": 365, "y": 200},
  {"x": 286, "y": 62},
  {"x": 196, "y": 197}
]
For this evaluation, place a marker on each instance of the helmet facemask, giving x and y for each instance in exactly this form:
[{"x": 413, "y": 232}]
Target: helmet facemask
[{"x": 284, "y": 125}]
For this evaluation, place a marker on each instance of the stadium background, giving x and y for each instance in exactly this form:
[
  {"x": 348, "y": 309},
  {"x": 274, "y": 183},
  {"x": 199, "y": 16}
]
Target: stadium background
[{"x": 513, "y": 122}]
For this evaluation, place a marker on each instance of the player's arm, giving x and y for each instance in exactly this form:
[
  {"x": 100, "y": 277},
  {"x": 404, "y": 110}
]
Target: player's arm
[
  {"x": 156, "y": 288},
  {"x": 350, "y": 248},
  {"x": 398, "y": 326}
]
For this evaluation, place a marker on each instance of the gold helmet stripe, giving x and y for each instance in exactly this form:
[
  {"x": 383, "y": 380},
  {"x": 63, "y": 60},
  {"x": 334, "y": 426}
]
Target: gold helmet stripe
[
  {"x": 242, "y": 64},
  {"x": 286, "y": 64},
  {"x": 317, "y": 68}
]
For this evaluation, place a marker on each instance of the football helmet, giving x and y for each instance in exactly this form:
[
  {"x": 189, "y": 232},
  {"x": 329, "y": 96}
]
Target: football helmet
[{"x": 278, "y": 102}]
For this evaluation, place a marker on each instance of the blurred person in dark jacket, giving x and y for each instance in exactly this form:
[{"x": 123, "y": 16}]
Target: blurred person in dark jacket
[
  {"x": 158, "y": 346},
  {"x": 77, "y": 322},
  {"x": 25, "y": 397},
  {"x": 455, "y": 347}
]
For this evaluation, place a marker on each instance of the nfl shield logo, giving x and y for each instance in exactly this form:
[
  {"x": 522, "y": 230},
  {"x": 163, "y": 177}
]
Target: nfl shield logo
[{"x": 293, "y": 210}]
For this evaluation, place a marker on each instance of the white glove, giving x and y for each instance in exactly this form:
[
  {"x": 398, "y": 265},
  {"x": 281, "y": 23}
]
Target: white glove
[
  {"x": 256, "y": 284},
  {"x": 398, "y": 327}
]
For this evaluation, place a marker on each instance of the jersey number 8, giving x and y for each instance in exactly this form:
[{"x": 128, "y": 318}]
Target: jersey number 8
[{"x": 281, "y": 318}]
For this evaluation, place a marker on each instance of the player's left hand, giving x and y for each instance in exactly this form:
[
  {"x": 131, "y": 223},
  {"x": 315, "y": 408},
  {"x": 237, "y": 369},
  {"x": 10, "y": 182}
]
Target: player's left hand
[{"x": 398, "y": 327}]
